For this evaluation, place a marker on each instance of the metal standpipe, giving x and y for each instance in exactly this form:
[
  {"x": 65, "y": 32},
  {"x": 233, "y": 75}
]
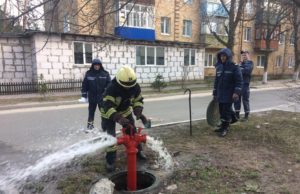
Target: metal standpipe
[
  {"x": 190, "y": 109},
  {"x": 131, "y": 142}
]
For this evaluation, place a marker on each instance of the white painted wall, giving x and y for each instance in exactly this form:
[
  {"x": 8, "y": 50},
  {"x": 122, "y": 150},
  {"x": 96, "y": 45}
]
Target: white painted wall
[{"x": 25, "y": 59}]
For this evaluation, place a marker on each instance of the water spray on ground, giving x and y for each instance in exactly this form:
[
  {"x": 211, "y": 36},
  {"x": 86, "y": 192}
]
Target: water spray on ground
[{"x": 16, "y": 177}]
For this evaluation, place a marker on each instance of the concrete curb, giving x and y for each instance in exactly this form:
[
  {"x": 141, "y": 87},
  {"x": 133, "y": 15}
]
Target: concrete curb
[{"x": 148, "y": 98}]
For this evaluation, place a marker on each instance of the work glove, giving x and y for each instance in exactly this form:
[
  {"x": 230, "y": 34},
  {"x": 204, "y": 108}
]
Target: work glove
[
  {"x": 121, "y": 120},
  {"x": 235, "y": 97},
  {"x": 82, "y": 99},
  {"x": 137, "y": 111},
  {"x": 146, "y": 122}
]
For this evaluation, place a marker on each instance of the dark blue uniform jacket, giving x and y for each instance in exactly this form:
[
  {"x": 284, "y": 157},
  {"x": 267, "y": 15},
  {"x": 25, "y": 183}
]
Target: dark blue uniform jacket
[
  {"x": 228, "y": 78},
  {"x": 246, "y": 68},
  {"x": 94, "y": 84}
]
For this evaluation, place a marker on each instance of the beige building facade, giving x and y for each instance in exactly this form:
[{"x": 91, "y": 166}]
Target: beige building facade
[{"x": 174, "y": 21}]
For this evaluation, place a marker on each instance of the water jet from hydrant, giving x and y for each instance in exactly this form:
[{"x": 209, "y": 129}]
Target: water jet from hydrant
[{"x": 15, "y": 178}]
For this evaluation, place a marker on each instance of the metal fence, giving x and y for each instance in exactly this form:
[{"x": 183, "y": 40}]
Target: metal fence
[{"x": 40, "y": 87}]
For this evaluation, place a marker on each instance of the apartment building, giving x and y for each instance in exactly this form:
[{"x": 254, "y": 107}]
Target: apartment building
[
  {"x": 155, "y": 37},
  {"x": 250, "y": 35}
]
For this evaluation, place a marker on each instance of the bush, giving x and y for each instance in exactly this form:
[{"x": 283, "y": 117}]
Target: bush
[
  {"x": 159, "y": 83},
  {"x": 43, "y": 88}
]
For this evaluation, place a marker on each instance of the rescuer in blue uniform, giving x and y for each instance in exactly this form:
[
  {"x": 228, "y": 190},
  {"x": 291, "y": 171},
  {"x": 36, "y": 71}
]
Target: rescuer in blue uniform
[
  {"x": 94, "y": 83},
  {"x": 246, "y": 68},
  {"x": 227, "y": 88}
]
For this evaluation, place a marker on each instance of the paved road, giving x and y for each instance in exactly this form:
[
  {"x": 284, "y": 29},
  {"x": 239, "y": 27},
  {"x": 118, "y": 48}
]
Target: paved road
[{"x": 29, "y": 134}]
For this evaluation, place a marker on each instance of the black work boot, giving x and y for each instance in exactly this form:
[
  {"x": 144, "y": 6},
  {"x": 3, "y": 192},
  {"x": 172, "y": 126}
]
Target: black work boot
[
  {"x": 90, "y": 126},
  {"x": 234, "y": 119},
  {"x": 110, "y": 161},
  {"x": 237, "y": 114},
  {"x": 140, "y": 155},
  {"x": 110, "y": 167},
  {"x": 225, "y": 128},
  {"x": 246, "y": 117}
]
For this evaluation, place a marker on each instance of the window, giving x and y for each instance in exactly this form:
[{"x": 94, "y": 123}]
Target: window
[
  {"x": 278, "y": 61},
  {"x": 165, "y": 25},
  {"x": 189, "y": 57},
  {"x": 247, "y": 34},
  {"x": 187, "y": 28},
  {"x": 83, "y": 53},
  {"x": 210, "y": 60},
  {"x": 146, "y": 55},
  {"x": 188, "y": 1},
  {"x": 281, "y": 38},
  {"x": 150, "y": 55},
  {"x": 216, "y": 25},
  {"x": 261, "y": 60},
  {"x": 292, "y": 39},
  {"x": 136, "y": 16},
  {"x": 212, "y": 8},
  {"x": 249, "y": 7},
  {"x": 215, "y": 9},
  {"x": 66, "y": 23},
  {"x": 291, "y": 62}
]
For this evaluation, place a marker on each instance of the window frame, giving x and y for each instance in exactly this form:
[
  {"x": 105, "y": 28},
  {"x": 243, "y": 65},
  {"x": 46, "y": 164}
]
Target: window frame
[
  {"x": 189, "y": 56},
  {"x": 146, "y": 56},
  {"x": 278, "y": 61},
  {"x": 281, "y": 38},
  {"x": 291, "y": 62},
  {"x": 84, "y": 54},
  {"x": 292, "y": 38},
  {"x": 247, "y": 34},
  {"x": 260, "y": 64},
  {"x": 249, "y": 7},
  {"x": 144, "y": 14},
  {"x": 185, "y": 28},
  {"x": 213, "y": 60},
  {"x": 188, "y": 2},
  {"x": 165, "y": 21},
  {"x": 66, "y": 24}
]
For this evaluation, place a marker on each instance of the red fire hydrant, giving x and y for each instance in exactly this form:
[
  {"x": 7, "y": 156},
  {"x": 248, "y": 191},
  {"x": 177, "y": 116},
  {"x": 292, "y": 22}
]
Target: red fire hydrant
[{"x": 131, "y": 142}]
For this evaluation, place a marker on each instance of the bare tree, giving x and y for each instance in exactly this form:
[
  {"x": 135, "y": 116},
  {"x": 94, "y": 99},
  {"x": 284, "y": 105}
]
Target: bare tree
[
  {"x": 295, "y": 21},
  {"x": 226, "y": 17},
  {"x": 296, "y": 2},
  {"x": 269, "y": 17}
]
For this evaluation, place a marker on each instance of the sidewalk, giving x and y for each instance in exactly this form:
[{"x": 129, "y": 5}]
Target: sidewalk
[{"x": 68, "y": 98}]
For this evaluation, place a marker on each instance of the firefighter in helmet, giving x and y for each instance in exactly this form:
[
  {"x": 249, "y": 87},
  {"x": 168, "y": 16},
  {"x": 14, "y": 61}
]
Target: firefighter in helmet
[{"x": 122, "y": 96}]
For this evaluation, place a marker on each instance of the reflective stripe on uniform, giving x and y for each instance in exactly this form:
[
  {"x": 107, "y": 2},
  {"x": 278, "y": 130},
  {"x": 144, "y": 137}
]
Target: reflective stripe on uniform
[
  {"x": 126, "y": 112},
  {"x": 108, "y": 113},
  {"x": 137, "y": 104},
  {"x": 110, "y": 98},
  {"x": 137, "y": 98},
  {"x": 111, "y": 148}
]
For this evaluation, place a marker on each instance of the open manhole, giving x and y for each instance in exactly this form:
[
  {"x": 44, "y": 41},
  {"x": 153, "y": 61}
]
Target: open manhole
[{"x": 145, "y": 182}]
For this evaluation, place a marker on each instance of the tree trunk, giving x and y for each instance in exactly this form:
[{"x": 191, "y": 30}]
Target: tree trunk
[
  {"x": 265, "y": 78},
  {"x": 296, "y": 76}
]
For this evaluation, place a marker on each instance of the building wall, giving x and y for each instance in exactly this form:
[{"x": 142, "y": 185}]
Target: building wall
[
  {"x": 55, "y": 59},
  {"x": 177, "y": 11},
  {"x": 15, "y": 59},
  {"x": 55, "y": 17}
]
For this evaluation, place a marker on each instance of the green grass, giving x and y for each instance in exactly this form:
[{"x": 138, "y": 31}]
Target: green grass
[{"x": 209, "y": 164}]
